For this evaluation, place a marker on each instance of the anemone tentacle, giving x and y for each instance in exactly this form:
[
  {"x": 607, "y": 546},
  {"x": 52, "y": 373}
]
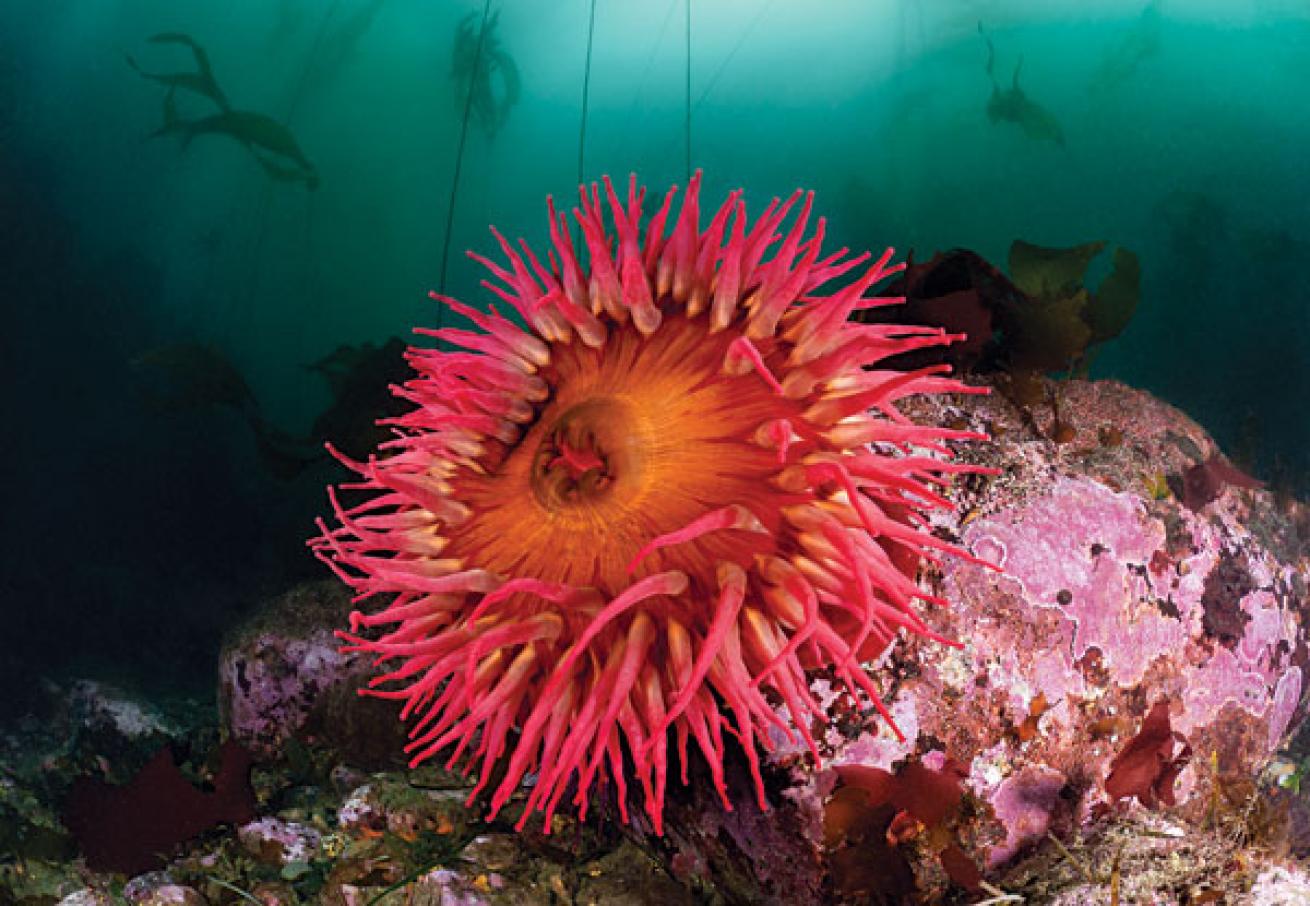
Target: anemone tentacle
[{"x": 636, "y": 519}]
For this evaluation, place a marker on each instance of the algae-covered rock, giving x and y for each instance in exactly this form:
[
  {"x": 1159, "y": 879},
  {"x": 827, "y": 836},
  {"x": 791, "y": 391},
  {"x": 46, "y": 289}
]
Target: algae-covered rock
[
  {"x": 283, "y": 677},
  {"x": 1111, "y": 600}
]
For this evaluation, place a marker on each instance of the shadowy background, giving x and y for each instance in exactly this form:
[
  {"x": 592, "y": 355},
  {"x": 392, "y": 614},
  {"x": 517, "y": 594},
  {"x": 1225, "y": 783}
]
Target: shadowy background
[{"x": 141, "y": 520}]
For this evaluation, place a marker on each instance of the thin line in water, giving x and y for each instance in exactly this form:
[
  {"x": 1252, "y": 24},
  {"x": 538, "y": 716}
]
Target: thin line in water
[
  {"x": 459, "y": 155},
  {"x": 687, "y": 8},
  {"x": 586, "y": 91}
]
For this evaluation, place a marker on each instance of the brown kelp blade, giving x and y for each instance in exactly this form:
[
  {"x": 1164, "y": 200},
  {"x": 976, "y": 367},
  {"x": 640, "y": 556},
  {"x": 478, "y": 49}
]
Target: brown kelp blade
[{"x": 1050, "y": 272}]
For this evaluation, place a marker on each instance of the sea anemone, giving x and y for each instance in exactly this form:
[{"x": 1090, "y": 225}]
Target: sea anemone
[{"x": 681, "y": 486}]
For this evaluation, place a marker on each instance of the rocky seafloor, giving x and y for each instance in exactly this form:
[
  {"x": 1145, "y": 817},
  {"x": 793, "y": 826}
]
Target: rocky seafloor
[{"x": 1118, "y": 724}]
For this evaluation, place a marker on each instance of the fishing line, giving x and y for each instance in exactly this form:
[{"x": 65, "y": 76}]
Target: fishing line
[
  {"x": 687, "y": 130},
  {"x": 266, "y": 196},
  {"x": 741, "y": 42},
  {"x": 459, "y": 154},
  {"x": 586, "y": 90},
  {"x": 722, "y": 67},
  {"x": 650, "y": 63}
]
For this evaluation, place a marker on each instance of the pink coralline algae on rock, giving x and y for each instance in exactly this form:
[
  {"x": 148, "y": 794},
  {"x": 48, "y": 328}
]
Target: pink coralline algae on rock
[
  {"x": 1113, "y": 596},
  {"x": 283, "y": 676}
]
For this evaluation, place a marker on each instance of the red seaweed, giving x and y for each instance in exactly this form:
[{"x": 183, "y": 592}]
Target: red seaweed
[{"x": 132, "y": 828}]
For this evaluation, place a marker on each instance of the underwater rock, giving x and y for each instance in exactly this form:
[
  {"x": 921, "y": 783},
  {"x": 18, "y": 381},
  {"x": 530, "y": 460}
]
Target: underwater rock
[
  {"x": 157, "y": 888},
  {"x": 1281, "y": 885},
  {"x": 1113, "y": 597},
  {"x": 627, "y": 877},
  {"x": 423, "y": 817},
  {"x": 175, "y": 895},
  {"x": 400, "y": 808},
  {"x": 273, "y": 841},
  {"x": 87, "y": 897},
  {"x": 282, "y": 676},
  {"x": 104, "y": 709},
  {"x": 106, "y": 728}
]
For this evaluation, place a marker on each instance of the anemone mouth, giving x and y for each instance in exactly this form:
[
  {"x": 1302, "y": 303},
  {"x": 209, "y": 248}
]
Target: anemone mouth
[
  {"x": 636, "y": 441},
  {"x": 635, "y": 523},
  {"x": 583, "y": 453}
]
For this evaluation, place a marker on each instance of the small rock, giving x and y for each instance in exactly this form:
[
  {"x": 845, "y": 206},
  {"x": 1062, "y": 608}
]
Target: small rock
[
  {"x": 1280, "y": 886},
  {"x": 391, "y": 804},
  {"x": 174, "y": 895},
  {"x": 345, "y": 778},
  {"x": 629, "y": 877},
  {"x": 141, "y": 887},
  {"x": 87, "y": 897},
  {"x": 277, "y": 842},
  {"x": 275, "y": 893},
  {"x": 361, "y": 813},
  {"x": 104, "y": 709},
  {"x": 494, "y": 852}
]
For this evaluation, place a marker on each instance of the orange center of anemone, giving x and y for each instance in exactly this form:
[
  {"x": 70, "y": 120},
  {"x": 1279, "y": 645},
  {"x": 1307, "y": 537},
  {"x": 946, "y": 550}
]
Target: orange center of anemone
[{"x": 638, "y": 439}]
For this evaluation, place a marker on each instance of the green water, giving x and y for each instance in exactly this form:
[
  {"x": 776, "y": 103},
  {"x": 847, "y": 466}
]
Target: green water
[{"x": 1184, "y": 132}]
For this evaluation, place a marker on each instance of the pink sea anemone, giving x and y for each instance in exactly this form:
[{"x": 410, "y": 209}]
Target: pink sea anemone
[{"x": 683, "y": 484}]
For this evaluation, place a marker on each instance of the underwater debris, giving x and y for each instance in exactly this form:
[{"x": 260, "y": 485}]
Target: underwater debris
[
  {"x": 484, "y": 75},
  {"x": 1012, "y": 105},
  {"x": 132, "y": 828},
  {"x": 568, "y": 570}
]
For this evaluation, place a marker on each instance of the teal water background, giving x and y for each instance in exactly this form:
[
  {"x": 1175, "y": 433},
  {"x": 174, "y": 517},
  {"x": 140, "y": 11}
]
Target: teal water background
[{"x": 126, "y": 532}]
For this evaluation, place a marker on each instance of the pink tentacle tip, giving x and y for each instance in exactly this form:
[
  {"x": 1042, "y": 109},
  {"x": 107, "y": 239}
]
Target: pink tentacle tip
[
  {"x": 742, "y": 352},
  {"x": 737, "y": 517}
]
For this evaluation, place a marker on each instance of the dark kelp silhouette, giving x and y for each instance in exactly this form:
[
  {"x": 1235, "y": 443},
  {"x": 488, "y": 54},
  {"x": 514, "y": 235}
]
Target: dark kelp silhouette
[
  {"x": 1012, "y": 105},
  {"x": 1041, "y": 318},
  {"x": 340, "y": 45},
  {"x": 201, "y": 81},
  {"x": 291, "y": 15},
  {"x": 485, "y": 76},
  {"x": 187, "y": 376},
  {"x": 1195, "y": 227},
  {"x": 269, "y": 142},
  {"x": 194, "y": 377},
  {"x": 1129, "y": 51},
  {"x": 1271, "y": 247}
]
